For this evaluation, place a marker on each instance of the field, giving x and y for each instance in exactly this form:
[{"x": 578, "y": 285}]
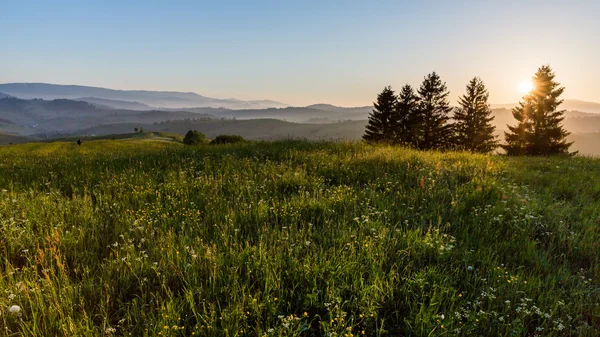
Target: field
[{"x": 290, "y": 238}]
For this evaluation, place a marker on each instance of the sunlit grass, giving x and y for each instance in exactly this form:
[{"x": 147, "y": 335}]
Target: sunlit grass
[{"x": 293, "y": 238}]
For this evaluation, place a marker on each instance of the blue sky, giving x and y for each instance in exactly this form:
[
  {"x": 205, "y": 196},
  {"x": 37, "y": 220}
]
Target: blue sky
[{"x": 300, "y": 52}]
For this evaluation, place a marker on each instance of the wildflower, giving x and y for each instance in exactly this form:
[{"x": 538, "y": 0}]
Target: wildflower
[{"x": 14, "y": 309}]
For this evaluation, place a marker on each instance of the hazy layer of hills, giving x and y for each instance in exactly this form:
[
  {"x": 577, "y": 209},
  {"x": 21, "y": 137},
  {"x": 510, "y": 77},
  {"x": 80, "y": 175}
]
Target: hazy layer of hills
[
  {"x": 568, "y": 104},
  {"x": 36, "y": 116},
  {"x": 154, "y": 99},
  {"x": 114, "y": 104},
  {"x": 79, "y": 112}
]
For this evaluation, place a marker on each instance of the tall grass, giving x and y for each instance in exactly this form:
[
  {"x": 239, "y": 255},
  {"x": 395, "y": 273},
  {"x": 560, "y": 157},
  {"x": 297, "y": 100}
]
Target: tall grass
[{"x": 141, "y": 238}]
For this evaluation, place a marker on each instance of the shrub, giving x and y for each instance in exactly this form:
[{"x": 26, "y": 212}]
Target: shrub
[
  {"x": 194, "y": 137},
  {"x": 228, "y": 139}
]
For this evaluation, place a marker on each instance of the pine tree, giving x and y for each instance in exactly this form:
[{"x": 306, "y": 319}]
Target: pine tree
[
  {"x": 472, "y": 119},
  {"x": 433, "y": 131},
  {"x": 539, "y": 130},
  {"x": 405, "y": 119},
  {"x": 379, "y": 128}
]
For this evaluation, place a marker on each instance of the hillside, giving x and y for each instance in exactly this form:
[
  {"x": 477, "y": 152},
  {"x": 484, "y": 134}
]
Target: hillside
[
  {"x": 568, "y": 104},
  {"x": 9, "y": 138},
  {"x": 249, "y": 129},
  {"x": 39, "y": 116},
  {"x": 166, "y": 99},
  {"x": 149, "y": 238},
  {"x": 585, "y": 142},
  {"x": 113, "y": 104}
]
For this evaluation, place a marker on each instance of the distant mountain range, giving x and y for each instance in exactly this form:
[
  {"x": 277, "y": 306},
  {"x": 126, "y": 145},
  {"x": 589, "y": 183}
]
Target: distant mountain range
[
  {"x": 568, "y": 104},
  {"x": 29, "y": 111},
  {"x": 114, "y": 104},
  {"x": 154, "y": 99},
  {"x": 151, "y": 100},
  {"x": 37, "y": 116}
]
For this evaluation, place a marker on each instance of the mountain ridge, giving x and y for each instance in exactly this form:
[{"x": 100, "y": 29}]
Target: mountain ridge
[{"x": 157, "y": 99}]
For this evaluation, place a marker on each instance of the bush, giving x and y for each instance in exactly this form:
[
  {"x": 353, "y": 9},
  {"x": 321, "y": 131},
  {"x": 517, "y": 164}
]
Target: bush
[
  {"x": 194, "y": 137},
  {"x": 228, "y": 139}
]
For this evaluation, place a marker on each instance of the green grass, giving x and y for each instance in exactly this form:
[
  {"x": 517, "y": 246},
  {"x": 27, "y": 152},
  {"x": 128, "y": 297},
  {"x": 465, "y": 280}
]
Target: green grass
[{"x": 142, "y": 238}]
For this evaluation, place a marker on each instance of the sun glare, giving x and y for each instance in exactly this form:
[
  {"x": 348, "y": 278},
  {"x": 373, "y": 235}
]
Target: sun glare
[{"x": 526, "y": 86}]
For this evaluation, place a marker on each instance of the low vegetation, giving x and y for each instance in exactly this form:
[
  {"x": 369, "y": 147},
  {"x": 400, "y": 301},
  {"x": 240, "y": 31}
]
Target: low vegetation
[
  {"x": 149, "y": 238},
  {"x": 228, "y": 139},
  {"x": 194, "y": 137}
]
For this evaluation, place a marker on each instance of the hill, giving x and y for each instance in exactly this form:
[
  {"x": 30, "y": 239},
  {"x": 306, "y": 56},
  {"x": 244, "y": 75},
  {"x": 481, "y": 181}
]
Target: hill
[
  {"x": 168, "y": 99},
  {"x": 109, "y": 103},
  {"x": 333, "y": 108},
  {"x": 39, "y": 116},
  {"x": 9, "y": 138},
  {"x": 568, "y": 104},
  {"x": 206, "y": 240},
  {"x": 249, "y": 129},
  {"x": 586, "y": 138}
]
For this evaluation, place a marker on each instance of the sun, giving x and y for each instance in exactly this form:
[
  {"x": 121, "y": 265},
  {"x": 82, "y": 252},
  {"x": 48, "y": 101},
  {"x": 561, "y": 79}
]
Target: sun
[{"x": 526, "y": 86}]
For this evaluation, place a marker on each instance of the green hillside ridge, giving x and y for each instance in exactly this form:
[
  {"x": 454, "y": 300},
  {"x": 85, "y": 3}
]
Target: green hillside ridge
[
  {"x": 9, "y": 138},
  {"x": 294, "y": 238},
  {"x": 272, "y": 129}
]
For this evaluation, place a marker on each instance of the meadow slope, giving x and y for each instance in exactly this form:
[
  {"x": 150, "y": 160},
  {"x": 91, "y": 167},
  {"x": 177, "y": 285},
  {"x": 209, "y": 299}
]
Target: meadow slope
[{"x": 143, "y": 238}]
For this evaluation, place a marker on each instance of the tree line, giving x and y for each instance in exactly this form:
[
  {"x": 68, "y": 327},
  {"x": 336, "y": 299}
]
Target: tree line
[{"x": 423, "y": 119}]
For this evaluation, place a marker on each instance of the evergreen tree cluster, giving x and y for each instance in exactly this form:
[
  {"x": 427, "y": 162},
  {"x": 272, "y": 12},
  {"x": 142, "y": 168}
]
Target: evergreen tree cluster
[{"x": 423, "y": 119}]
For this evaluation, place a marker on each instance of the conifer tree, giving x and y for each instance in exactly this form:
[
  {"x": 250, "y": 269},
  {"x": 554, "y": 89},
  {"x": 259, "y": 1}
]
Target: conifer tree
[
  {"x": 405, "y": 120},
  {"x": 472, "y": 119},
  {"x": 433, "y": 131},
  {"x": 380, "y": 126},
  {"x": 539, "y": 130}
]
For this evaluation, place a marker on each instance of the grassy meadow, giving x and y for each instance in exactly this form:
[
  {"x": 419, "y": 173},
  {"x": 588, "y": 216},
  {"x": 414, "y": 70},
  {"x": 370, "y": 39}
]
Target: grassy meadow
[{"x": 291, "y": 238}]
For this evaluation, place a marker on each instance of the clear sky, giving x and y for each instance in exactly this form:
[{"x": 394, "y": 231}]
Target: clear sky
[{"x": 301, "y": 52}]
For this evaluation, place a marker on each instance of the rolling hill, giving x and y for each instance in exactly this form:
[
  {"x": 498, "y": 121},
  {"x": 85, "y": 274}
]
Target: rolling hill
[
  {"x": 168, "y": 99},
  {"x": 37, "y": 116},
  {"x": 249, "y": 129},
  {"x": 568, "y": 104},
  {"x": 113, "y": 104},
  {"x": 266, "y": 129},
  {"x": 9, "y": 138}
]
